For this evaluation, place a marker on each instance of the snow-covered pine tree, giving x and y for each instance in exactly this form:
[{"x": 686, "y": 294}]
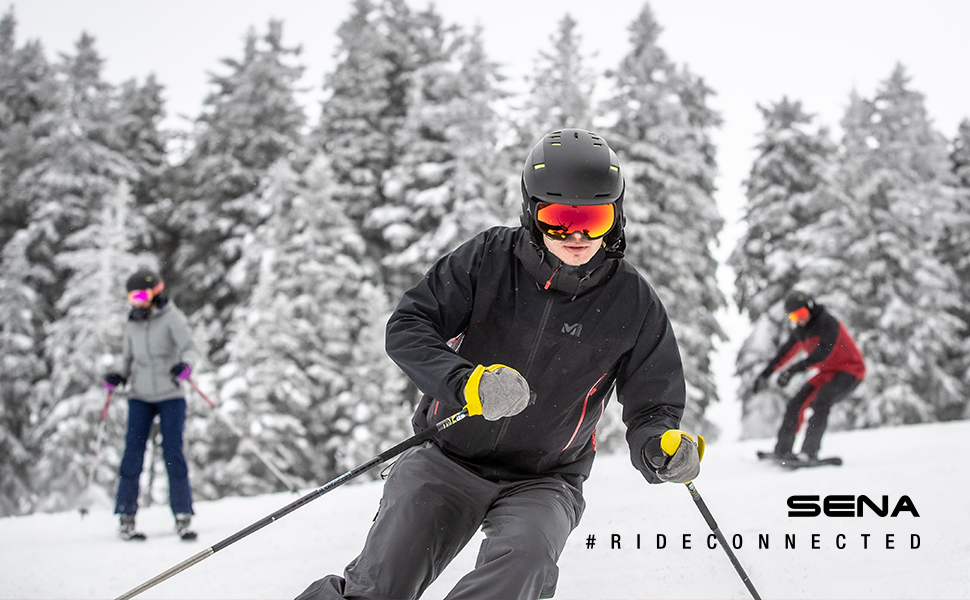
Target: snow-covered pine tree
[
  {"x": 358, "y": 117},
  {"x": 28, "y": 97},
  {"x": 21, "y": 368},
  {"x": 875, "y": 260},
  {"x": 449, "y": 183},
  {"x": 661, "y": 131},
  {"x": 306, "y": 376},
  {"x": 137, "y": 130},
  {"x": 380, "y": 48},
  {"x": 955, "y": 247},
  {"x": 27, "y": 92},
  {"x": 71, "y": 166},
  {"x": 794, "y": 164},
  {"x": 80, "y": 346},
  {"x": 250, "y": 121},
  {"x": 74, "y": 162},
  {"x": 561, "y": 89}
]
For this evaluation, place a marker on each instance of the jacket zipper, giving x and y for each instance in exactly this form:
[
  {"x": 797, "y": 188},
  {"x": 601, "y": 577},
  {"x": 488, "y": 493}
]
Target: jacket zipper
[
  {"x": 148, "y": 355},
  {"x": 528, "y": 365},
  {"x": 582, "y": 415}
]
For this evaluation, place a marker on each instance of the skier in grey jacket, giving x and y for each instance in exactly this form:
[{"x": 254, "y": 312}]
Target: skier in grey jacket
[{"x": 157, "y": 357}]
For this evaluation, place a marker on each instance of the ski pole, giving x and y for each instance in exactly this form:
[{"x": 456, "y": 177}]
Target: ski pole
[
  {"x": 252, "y": 446},
  {"x": 702, "y": 506},
  {"x": 414, "y": 440},
  {"x": 97, "y": 451}
]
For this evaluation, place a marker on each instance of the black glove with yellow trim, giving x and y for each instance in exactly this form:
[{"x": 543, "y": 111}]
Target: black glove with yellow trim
[
  {"x": 495, "y": 392},
  {"x": 675, "y": 456}
]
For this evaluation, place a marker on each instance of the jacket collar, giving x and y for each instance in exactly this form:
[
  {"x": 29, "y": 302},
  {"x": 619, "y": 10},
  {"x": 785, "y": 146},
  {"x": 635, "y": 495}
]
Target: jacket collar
[{"x": 553, "y": 274}]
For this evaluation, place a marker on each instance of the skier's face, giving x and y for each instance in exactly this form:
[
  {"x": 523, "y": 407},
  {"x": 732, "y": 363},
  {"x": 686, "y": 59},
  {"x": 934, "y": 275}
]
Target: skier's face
[
  {"x": 575, "y": 250},
  {"x": 800, "y": 317}
]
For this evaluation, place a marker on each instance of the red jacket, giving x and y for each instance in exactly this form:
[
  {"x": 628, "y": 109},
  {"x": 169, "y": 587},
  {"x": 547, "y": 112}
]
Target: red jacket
[{"x": 828, "y": 344}]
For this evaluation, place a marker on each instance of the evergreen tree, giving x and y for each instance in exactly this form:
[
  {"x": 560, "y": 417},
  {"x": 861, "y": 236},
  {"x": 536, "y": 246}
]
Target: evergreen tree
[
  {"x": 306, "y": 376},
  {"x": 786, "y": 182},
  {"x": 561, "y": 88},
  {"x": 81, "y": 345},
  {"x": 137, "y": 129},
  {"x": 380, "y": 48},
  {"x": 21, "y": 368},
  {"x": 875, "y": 259},
  {"x": 27, "y": 93},
  {"x": 449, "y": 183},
  {"x": 70, "y": 164},
  {"x": 661, "y": 133},
  {"x": 28, "y": 97},
  {"x": 74, "y": 162},
  {"x": 249, "y": 122},
  {"x": 955, "y": 247}
]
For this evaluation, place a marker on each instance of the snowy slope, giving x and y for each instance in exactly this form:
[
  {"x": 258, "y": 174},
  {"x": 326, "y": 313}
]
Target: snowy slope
[{"x": 63, "y": 556}]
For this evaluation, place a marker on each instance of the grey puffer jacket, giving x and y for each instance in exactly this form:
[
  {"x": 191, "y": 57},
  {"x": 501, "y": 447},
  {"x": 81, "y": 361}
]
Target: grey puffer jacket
[{"x": 151, "y": 348}]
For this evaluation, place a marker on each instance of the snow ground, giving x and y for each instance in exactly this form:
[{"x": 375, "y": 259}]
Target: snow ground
[{"x": 64, "y": 556}]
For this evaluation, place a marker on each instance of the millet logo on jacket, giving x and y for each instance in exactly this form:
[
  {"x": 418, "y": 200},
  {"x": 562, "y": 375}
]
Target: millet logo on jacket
[{"x": 574, "y": 330}]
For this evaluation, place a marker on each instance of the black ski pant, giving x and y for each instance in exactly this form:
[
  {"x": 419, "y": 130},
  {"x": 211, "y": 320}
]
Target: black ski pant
[
  {"x": 432, "y": 507},
  {"x": 820, "y": 395}
]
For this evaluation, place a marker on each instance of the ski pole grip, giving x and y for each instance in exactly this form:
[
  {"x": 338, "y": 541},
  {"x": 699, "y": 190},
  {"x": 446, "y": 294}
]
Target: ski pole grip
[{"x": 670, "y": 442}]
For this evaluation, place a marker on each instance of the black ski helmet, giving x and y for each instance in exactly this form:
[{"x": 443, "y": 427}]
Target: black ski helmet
[
  {"x": 576, "y": 167},
  {"x": 143, "y": 279},
  {"x": 796, "y": 300}
]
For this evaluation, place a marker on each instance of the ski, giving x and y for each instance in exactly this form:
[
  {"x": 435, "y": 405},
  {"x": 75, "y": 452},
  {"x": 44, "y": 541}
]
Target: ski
[
  {"x": 132, "y": 536},
  {"x": 818, "y": 462},
  {"x": 793, "y": 462}
]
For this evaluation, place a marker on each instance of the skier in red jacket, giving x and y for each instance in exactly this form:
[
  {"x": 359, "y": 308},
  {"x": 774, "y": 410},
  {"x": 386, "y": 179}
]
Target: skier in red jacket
[{"x": 832, "y": 353}]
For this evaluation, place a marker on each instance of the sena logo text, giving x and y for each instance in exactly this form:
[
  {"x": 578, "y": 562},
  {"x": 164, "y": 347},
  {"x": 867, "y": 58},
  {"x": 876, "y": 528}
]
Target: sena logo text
[{"x": 847, "y": 506}]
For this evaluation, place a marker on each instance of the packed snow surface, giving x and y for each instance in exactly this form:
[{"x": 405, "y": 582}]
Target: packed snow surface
[{"x": 650, "y": 540}]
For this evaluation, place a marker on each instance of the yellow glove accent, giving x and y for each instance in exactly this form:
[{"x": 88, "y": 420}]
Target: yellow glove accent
[
  {"x": 472, "y": 401},
  {"x": 670, "y": 441}
]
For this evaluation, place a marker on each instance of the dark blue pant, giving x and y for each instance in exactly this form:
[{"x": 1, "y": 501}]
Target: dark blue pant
[
  {"x": 432, "y": 507},
  {"x": 140, "y": 417}
]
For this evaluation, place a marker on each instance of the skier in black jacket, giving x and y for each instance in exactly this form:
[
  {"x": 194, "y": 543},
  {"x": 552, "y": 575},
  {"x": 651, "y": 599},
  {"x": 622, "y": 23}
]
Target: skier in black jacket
[{"x": 532, "y": 328}]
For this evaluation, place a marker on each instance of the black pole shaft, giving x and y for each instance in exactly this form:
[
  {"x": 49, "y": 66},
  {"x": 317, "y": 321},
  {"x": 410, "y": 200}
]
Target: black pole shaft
[
  {"x": 702, "y": 506},
  {"x": 415, "y": 440}
]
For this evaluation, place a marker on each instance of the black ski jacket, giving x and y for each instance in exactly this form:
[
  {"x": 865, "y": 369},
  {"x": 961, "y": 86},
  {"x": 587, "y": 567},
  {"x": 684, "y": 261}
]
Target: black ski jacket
[{"x": 573, "y": 332}]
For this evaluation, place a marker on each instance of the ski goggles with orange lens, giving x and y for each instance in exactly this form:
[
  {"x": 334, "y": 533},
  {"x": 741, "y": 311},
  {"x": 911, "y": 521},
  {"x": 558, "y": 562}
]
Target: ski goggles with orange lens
[
  {"x": 559, "y": 221},
  {"x": 798, "y": 315},
  {"x": 143, "y": 298}
]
